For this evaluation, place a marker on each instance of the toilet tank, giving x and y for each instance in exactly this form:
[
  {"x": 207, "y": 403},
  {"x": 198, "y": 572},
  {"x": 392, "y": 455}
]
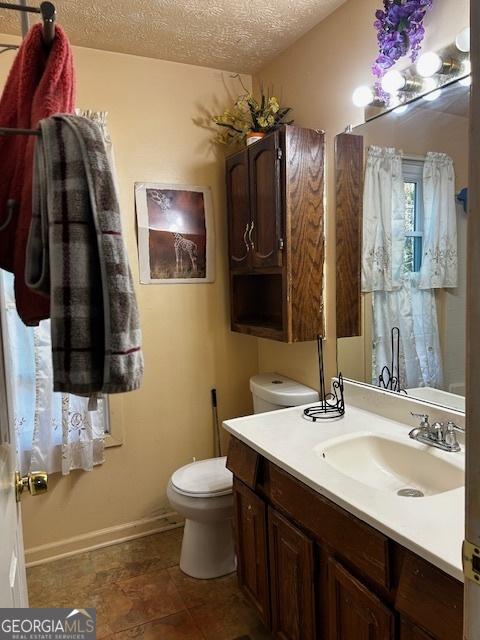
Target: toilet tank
[{"x": 272, "y": 391}]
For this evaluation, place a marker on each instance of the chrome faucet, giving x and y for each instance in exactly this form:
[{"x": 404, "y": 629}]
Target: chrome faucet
[{"x": 436, "y": 435}]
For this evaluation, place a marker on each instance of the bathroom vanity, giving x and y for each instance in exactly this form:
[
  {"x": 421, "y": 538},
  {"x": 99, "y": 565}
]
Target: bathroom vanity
[{"x": 336, "y": 552}]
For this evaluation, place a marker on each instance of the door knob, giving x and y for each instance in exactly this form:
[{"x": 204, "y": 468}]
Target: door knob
[{"x": 36, "y": 483}]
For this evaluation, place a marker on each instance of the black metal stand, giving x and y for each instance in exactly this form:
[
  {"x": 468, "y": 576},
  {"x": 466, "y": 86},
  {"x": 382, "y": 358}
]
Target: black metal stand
[
  {"x": 332, "y": 405},
  {"x": 389, "y": 377}
]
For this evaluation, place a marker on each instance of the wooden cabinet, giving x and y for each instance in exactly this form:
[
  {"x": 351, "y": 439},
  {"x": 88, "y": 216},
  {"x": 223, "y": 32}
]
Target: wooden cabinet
[
  {"x": 251, "y": 538},
  {"x": 315, "y": 571},
  {"x": 291, "y": 580},
  {"x": 355, "y": 612},
  {"x": 276, "y": 235}
]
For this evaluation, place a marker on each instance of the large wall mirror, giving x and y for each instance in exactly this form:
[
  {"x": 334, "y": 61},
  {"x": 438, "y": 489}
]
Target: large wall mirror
[{"x": 401, "y": 248}]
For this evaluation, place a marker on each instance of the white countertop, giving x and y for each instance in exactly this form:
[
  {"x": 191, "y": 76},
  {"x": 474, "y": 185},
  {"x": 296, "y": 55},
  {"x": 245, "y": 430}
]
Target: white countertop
[{"x": 432, "y": 526}]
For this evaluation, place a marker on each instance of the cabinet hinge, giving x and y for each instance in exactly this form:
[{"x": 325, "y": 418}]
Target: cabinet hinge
[
  {"x": 471, "y": 561},
  {"x": 280, "y": 244},
  {"x": 279, "y": 153}
]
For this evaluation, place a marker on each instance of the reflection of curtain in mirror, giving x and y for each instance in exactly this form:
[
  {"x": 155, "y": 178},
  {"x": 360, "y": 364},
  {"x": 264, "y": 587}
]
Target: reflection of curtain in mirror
[
  {"x": 397, "y": 300},
  {"x": 439, "y": 256}
]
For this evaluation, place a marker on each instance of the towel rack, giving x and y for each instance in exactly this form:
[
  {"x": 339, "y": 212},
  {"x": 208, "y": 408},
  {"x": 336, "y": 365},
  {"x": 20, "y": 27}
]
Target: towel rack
[{"x": 46, "y": 10}]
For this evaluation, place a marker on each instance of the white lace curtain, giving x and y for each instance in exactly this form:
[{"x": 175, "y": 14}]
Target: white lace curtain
[
  {"x": 439, "y": 258},
  {"x": 55, "y": 432},
  {"x": 397, "y": 299}
]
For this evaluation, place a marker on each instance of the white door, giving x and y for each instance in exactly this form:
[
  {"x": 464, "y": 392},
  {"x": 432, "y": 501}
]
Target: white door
[{"x": 13, "y": 583}]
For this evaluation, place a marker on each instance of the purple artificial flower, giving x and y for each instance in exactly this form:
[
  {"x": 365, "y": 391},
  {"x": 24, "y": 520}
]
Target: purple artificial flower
[{"x": 400, "y": 30}]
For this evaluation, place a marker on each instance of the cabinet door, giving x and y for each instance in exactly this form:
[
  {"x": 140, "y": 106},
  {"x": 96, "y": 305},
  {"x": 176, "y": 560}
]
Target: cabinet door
[
  {"x": 251, "y": 538},
  {"x": 291, "y": 580},
  {"x": 265, "y": 201},
  {"x": 355, "y": 612},
  {"x": 410, "y": 631},
  {"x": 238, "y": 202}
]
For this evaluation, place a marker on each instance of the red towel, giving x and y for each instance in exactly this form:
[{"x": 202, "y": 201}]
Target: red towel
[{"x": 40, "y": 84}]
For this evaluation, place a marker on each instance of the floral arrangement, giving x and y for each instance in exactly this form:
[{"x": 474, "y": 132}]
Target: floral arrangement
[
  {"x": 399, "y": 30},
  {"x": 250, "y": 115}
]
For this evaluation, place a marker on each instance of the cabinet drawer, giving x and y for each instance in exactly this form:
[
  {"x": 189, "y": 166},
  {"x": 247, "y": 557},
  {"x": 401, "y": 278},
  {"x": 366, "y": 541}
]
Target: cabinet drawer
[
  {"x": 430, "y": 598},
  {"x": 359, "y": 544},
  {"x": 243, "y": 462}
]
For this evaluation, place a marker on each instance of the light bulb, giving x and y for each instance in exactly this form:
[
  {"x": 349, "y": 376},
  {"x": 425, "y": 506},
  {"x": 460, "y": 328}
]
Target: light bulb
[
  {"x": 362, "y": 96},
  {"x": 429, "y": 64},
  {"x": 393, "y": 81},
  {"x": 430, "y": 97},
  {"x": 462, "y": 41}
]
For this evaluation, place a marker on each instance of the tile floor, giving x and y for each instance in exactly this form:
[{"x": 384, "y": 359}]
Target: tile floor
[{"x": 140, "y": 593}]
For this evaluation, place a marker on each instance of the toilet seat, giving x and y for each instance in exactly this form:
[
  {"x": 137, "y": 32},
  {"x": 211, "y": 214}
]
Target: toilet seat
[{"x": 203, "y": 479}]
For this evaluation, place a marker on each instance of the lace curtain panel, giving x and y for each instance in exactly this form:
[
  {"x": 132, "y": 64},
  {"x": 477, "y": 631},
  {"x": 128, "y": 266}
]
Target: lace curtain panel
[
  {"x": 54, "y": 431},
  {"x": 397, "y": 298},
  {"x": 439, "y": 259},
  {"x": 383, "y": 220}
]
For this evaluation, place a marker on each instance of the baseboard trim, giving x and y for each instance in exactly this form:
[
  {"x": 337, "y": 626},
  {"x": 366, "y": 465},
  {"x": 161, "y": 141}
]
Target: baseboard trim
[{"x": 101, "y": 538}]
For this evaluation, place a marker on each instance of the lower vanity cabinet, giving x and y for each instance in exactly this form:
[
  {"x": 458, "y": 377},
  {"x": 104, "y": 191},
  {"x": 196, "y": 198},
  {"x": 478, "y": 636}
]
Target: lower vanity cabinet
[
  {"x": 355, "y": 613},
  {"x": 292, "y": 586},
  {"x": 315, "y": 572},
  {"x": 251, "y": 542}
]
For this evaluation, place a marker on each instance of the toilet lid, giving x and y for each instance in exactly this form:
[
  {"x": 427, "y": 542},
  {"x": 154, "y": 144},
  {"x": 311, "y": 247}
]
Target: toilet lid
[{"x": 204, "y": 478}]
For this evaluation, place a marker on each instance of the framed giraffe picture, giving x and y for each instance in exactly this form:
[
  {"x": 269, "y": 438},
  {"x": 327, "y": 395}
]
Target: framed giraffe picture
[{"x": 175, "y": 233}]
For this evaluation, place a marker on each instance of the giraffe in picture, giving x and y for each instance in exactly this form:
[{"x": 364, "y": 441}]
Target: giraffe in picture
[{"x": 183, "y": 246}]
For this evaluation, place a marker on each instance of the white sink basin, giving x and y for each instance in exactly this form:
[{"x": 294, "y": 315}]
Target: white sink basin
[{"x": 391, "y": 465}]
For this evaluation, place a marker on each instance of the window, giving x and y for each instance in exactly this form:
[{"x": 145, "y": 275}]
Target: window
[{"x": 413, "y": 190}]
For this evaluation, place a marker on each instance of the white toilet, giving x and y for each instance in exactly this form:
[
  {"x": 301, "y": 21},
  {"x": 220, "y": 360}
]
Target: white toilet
[{"x": 202, "y": 491}]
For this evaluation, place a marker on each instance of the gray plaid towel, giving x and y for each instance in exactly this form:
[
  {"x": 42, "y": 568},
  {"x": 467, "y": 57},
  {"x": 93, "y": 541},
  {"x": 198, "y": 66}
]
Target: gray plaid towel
[{"x": 76, "y": 254}]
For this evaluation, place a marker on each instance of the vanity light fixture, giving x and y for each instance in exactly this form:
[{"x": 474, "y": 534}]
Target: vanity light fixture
[
  {"x": 462, "y": 41},
  {"x": 430, "y": 63},
  {"x": 394, "y": 81},
  {"x": 362, "y": 96}
]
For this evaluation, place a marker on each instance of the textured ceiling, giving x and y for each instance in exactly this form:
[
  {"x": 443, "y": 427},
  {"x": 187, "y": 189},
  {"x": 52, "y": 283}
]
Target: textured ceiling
[{"x": 237, "y": 35}]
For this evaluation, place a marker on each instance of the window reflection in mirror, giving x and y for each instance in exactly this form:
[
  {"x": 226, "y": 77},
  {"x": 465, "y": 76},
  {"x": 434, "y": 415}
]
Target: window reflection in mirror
[{"x": 413, "y": 253}]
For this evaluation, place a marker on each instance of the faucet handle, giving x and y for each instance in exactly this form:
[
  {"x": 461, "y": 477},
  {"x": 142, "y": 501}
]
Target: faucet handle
[
  {"x": 423, "y": 416},
  {"x": 451, "y": 436}
]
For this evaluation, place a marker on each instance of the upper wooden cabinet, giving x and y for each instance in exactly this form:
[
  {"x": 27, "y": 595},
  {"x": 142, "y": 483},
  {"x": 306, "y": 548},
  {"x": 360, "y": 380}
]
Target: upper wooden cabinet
[{"x": 276, "y": 235}]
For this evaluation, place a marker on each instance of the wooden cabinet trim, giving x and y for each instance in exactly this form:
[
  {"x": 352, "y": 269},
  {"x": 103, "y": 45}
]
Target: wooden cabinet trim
[
  {"x": 348, "y": 221},
  {"x": 243, "y": 462}
]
